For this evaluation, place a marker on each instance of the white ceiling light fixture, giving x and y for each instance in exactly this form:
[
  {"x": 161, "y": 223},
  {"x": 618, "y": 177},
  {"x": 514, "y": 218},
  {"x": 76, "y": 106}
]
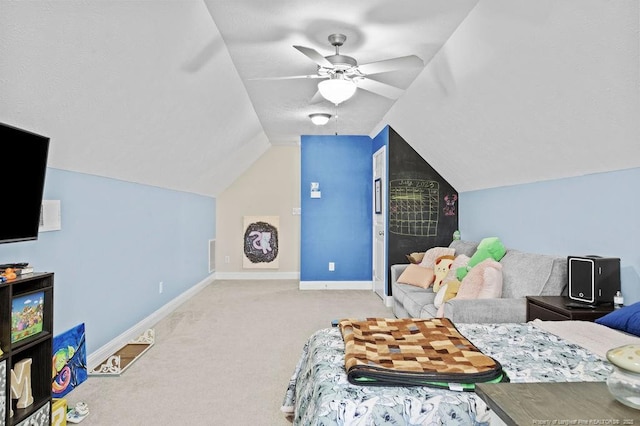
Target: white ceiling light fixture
[
  {"x": 337, "y": 89},
  {"x": 343, "y": 74},
  {"x": 319, "y": 119}
]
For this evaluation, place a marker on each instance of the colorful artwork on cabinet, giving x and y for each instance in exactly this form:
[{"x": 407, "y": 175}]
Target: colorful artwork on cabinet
[
  {"x": 69, "y": 361},
  {"x": 261, "y": 242},
  {"x": 26, "y": 316}
]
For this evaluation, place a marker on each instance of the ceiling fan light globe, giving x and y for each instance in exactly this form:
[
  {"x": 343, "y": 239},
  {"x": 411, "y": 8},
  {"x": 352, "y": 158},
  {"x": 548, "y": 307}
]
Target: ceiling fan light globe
[
  {"x": 319, "y": 119},
  {"x": 337, "y": 90}
]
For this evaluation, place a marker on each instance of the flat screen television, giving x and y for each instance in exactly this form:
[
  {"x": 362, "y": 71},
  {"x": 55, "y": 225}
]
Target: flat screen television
[
  {"x": 23, "y": 167},
  {"x": 27, "y": 314}
]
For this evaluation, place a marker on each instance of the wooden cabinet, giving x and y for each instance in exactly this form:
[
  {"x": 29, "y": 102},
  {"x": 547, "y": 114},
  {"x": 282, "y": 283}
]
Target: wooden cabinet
[
  {"x": 26, "y": 339},
  {"x": 554, "y": 308}
]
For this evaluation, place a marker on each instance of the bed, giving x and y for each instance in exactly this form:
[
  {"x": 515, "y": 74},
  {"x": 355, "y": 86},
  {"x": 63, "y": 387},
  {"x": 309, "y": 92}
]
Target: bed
[{"x": 319, "y": 392}]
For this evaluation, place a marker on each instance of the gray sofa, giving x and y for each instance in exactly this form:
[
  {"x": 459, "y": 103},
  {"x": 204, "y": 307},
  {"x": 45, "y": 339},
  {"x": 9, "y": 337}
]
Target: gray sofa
[{"x": 523, "y": 274}]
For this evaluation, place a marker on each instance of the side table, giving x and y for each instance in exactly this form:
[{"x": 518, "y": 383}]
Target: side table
[
  {"x": 553, "y": 308},
  {"x": 567, "y": 403}
]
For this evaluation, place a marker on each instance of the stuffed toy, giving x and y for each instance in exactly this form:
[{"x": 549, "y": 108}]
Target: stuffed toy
[
  {"x": 489, "y": 248},
  {"x": 451, "y": 291},
  {"x": 447, "y": 292},
  {"x": 441, "y": 269},
  {"x": 430, "y": 256},
  {"x": 484, "y": 281}
]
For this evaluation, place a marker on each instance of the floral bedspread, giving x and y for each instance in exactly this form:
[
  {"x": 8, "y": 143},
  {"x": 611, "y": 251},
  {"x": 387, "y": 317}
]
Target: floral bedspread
[{"x": 320, "y": 394}]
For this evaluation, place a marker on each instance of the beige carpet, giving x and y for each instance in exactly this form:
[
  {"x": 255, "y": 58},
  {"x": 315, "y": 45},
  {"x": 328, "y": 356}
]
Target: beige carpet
[{"x": 224, "y": 357}]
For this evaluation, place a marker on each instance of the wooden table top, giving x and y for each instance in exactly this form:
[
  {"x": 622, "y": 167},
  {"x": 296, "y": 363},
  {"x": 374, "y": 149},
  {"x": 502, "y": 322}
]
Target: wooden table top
[{"x": 556, "y": 403}]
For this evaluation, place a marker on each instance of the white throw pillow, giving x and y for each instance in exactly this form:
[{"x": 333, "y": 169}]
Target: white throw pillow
[{"x": 430, "y": 256}]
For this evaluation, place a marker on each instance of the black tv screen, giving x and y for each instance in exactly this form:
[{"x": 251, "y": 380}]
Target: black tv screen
[{"x": 22, "y": 172}]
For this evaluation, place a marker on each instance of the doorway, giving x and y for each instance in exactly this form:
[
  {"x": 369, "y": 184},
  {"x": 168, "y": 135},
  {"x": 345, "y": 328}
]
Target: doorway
[{"x": 379, "y": 223}]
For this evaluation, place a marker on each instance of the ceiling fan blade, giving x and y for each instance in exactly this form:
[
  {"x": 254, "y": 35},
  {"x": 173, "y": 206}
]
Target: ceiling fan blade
[
  {"x": 290, "y": 77},
  {"x": 402, "y": 62},
  {"x": 315, "y": 56},
  {"x": 378, "y": 88}
]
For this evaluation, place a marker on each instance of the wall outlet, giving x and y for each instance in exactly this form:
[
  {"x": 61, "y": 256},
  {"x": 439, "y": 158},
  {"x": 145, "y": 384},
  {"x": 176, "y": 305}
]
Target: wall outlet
[
  {"x": 332, "y": 266},
  {"x": 227, "y": 259},
  {"x": 160, "y": 287}
]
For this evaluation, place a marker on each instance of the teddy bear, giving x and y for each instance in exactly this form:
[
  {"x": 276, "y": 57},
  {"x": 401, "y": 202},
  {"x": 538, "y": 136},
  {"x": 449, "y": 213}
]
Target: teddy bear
[{"x": 441, "y": 269}]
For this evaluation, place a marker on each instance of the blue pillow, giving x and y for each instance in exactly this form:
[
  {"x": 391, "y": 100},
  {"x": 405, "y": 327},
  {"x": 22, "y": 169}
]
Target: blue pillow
[{"x": 625, "y": 319}]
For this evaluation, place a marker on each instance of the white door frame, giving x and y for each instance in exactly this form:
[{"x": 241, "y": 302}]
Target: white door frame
[{"x": 379, "y": 251}]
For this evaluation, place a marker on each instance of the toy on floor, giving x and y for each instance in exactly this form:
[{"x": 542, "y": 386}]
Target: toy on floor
[{"x": 77, "y": 414}]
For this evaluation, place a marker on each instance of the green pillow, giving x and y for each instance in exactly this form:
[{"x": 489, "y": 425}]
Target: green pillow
[{"x": 489, "y": 248}]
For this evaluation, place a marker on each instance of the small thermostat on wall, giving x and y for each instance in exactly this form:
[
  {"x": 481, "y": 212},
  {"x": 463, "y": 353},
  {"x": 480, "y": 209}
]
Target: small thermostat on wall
[
  {"x": 50, "y": 216},
  {"x": 315, "y": 190}
]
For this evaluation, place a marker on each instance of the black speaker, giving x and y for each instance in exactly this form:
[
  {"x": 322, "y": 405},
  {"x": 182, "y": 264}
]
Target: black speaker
[{"x": 593, "y": 279}]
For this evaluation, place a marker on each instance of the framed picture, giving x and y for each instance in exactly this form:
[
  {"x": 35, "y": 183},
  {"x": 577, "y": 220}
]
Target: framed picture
[
  {"x": 378, "y": 196},
  {"x": 261, "y": 242}
]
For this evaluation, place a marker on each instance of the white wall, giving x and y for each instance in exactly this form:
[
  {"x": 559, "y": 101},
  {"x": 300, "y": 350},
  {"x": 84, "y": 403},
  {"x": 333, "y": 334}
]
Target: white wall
[{"x": 271, "y": 187}]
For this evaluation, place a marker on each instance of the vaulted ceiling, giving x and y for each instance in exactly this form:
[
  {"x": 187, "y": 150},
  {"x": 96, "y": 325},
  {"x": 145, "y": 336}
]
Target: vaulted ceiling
[
  {"x": 260, "y": 37},
  {"x": 170, "y": 93}
]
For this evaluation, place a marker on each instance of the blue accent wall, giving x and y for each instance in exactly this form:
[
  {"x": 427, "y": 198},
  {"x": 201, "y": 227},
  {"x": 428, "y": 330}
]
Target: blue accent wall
[
  {"x": 337, "y": 227},
  {"x": 593, "y": 214},
  {"x": 118, "y": 241},
  {"x": 380, "y": 140}
]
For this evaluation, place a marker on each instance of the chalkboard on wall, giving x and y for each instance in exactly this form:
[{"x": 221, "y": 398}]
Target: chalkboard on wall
[{"x": 422, "y": 206}]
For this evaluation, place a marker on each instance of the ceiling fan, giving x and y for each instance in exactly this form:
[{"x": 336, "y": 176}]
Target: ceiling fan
[{"x": 342, "y": 75}]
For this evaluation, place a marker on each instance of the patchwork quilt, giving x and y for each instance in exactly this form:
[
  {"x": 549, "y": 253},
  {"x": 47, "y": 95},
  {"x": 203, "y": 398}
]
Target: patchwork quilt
[
  {"x": 319, "y": 392},
  {"x": 414, "y": 352}
]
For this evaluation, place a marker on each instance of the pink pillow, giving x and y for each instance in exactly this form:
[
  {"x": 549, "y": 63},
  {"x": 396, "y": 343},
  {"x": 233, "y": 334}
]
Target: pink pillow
[
  {"x": 430, "y": 256},
  {"x": 484, "y": 281},
  {"x": 460, "y": 261},
  {"x": 417, "y": 275}
]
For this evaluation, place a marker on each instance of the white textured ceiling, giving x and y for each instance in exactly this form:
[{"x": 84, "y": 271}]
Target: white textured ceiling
[
  {"x": 526, "y": 91},
  {"x": 161, "y": 92},
  {"x": 260, "y": 36}
]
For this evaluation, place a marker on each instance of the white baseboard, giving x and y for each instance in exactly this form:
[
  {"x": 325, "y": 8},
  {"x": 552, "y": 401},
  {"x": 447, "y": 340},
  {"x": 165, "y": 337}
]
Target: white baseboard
[
  {"x": 94, "y": 359},
  {"x": 257, "y": 275},
  {"x": 388, "y": 301},
  {"x": 336, "y": 285}
]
